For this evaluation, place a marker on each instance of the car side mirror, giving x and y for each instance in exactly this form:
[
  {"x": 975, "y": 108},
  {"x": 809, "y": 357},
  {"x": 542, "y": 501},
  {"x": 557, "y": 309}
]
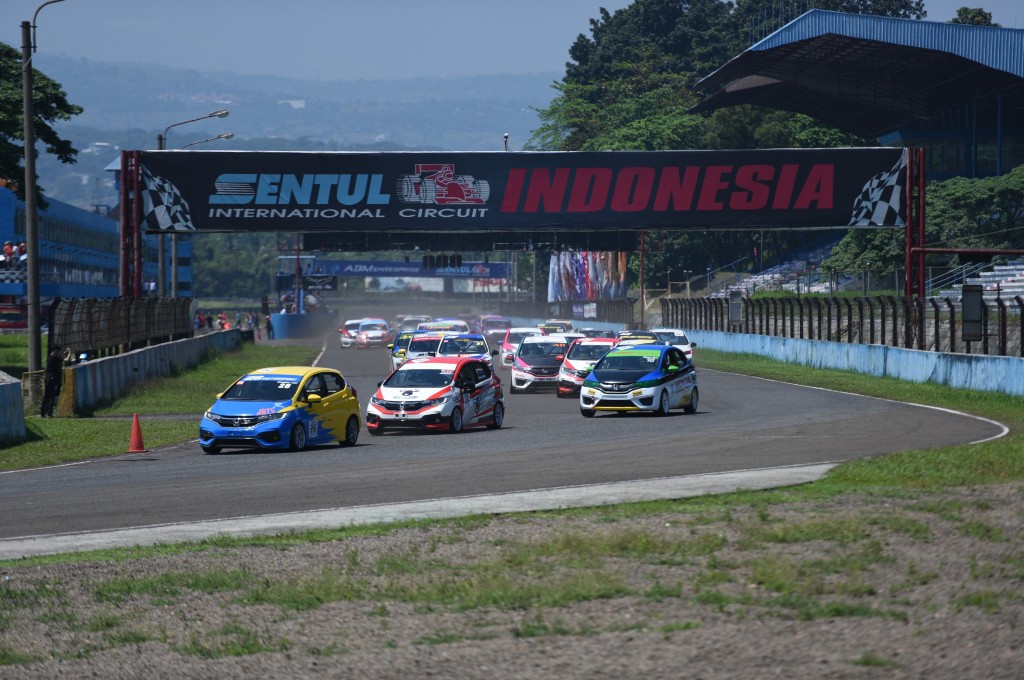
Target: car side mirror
[
  {"x": 313, "y": 398},
  {"x": 391, "y": 345},
  {"x": 673, "y": 368},
  {"x": 494, "y": 352},
  {"x": 560, "y": 357},
  {"x": 693, "y": 344}
]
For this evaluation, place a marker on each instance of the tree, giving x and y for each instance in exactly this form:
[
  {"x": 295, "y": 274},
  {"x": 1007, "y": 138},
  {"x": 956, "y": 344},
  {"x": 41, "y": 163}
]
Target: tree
[
  {"x": 50, "y": 105},
  {"x": 960, "y": 213},
  {"x": 975, "y": 16}
]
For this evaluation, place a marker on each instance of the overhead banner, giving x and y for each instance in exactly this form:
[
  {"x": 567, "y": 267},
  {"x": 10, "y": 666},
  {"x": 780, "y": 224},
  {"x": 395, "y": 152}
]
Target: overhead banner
[
  {"x": 337, "y": 268},
  {"x": 491, "y": 191}
]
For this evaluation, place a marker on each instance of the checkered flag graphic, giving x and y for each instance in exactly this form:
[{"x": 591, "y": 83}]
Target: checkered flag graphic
[
  {"x": 880, "y": 203},
  {"x": 163, "y": 206}
]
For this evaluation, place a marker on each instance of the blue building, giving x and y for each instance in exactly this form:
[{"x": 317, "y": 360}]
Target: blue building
[{"x": 79, "y": 255}]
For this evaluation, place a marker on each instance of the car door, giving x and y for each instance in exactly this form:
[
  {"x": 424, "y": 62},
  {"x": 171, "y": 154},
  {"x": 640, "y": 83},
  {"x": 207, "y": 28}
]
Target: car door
[
  {"x": 466, "y": 384},
  {"x": 315, "y": 420},
  {"x": 679, "y": 379},
  {"x": 337, "y": 404}
]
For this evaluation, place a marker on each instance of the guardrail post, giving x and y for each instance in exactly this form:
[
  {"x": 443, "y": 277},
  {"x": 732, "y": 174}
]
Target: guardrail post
[
  {"x": 1020, "y": 312},
  {"x": 952, "y": 325},
  {"x": 1002, "y": 326},
  {"x": 935, "y": 310}
]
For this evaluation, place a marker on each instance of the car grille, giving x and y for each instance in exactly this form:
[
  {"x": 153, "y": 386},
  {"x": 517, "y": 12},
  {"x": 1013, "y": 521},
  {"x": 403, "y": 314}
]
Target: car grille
[
  {"x": 616, "y": 388},
  {"x": 234, "y": 421},
  {"x": 401, "y": 405},
  {"x": 541, "y": 371},
  {"x": 583, "y": 373}
]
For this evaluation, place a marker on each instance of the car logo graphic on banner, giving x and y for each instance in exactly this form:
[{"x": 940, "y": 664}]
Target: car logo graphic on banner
[{"x": 437, "y": 183}]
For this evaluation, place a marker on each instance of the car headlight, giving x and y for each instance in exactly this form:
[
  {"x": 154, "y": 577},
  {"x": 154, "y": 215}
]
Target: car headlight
[
  {"x": 567, "y": 371},
  {"x": 435, "y": 402},
  {"x": 267, "y": 417},
  {"x": 375, "y": 400}
]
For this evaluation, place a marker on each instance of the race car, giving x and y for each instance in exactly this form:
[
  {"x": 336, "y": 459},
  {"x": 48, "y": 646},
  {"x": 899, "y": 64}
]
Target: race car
[
  {"x": 348, "y": 332},
  {"x": 655, "y": 378},
  {"x": 466, "y": 345},
  {"x": 399, "y": 347},
  {"x": 537, "y": 362},
  {"x": 493, "y": 326},
  {"x": 677, "y": 337},
  {"x": 372, "y": 333},
  {"x": 284, "y": 407},
  {"x": 423, "y": 344},
  {"x": 636, "y": 337},
  {"x": 510, "y": 343},
  {"x": 579, "y": 361},
  {"x": 444, "y": 394}
]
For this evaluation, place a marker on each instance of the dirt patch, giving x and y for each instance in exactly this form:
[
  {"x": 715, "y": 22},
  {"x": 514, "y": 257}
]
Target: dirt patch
[{"x": 916, "y": 586}]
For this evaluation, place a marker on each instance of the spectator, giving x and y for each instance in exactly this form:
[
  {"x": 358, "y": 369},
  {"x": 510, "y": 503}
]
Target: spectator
[
  {"x": 53, "y": 379},
  {"x": 270, "y": 328},
  {"x": 9, "y": 252}
]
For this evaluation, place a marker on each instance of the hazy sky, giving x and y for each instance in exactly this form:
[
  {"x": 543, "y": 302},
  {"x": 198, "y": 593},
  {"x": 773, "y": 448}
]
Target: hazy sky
[{"x": 346, "y": 39}]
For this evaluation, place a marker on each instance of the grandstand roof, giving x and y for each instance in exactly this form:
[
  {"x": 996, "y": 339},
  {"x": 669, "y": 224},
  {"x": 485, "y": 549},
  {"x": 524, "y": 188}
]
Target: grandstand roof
[{"x": 871, "y": 75}]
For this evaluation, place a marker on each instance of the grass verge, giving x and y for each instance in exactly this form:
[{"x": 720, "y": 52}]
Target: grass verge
[{"x": 53, "y": 441}]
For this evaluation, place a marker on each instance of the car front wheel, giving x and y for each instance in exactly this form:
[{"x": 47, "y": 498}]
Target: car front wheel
[
  {"x": 663, "y": 405},
  {"x": 298, "y": 438},
  {"x": 212, "y": 450},
  {"x": 586, "y": 413},
  {"x": 455, "y": 424}
]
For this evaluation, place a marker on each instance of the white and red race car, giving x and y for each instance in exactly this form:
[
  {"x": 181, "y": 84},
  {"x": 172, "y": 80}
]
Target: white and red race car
[{"x": 438, "y": 393}]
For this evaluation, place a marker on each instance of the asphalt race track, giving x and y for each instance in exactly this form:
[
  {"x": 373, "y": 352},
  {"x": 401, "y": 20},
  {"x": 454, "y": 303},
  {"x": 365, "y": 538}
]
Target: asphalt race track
[{"x": 742, "y": 423}]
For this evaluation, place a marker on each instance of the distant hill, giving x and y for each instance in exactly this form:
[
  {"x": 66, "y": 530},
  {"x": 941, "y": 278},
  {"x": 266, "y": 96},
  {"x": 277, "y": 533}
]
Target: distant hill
[{"x": 128, "y": 104}]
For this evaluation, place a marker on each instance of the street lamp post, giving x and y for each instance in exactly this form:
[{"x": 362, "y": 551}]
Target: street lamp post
[
  {"x": 161, "y": 141},
  {"x": 31, "y": 205}
]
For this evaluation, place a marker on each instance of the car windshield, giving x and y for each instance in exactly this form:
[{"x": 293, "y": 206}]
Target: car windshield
[
  {"x": 516, "y": 338},
  {"x": 628, "y": 361},
  {"x": 420, "y": 377},
  {"x": 417, "y": 345},
  {"x": 374, "y": 326},
  {"x": 672, "y": 338},
  {"x": 495, "y": 324},
  {"x": 451, "y": 346},
  {"x": 352, "y": 325},
  {"x": 402, "y": 341},
  {"x": 263, "y": 388},
  {"x": 542, "y": 349},
  {"x": 590, "y": 351}
]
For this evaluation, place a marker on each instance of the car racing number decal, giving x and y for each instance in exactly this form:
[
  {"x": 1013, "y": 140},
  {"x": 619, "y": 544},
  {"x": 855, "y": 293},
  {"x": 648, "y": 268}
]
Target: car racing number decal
[{"x": 314, "y": 428}]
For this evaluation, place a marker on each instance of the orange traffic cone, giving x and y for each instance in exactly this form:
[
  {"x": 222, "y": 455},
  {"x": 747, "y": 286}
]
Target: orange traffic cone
[{"x": 136, "y": 445}]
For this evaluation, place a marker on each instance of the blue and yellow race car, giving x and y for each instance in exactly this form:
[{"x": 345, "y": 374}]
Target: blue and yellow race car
[
  {"x": 286, "y": 407},
  {"x": 655, "y": 378}
]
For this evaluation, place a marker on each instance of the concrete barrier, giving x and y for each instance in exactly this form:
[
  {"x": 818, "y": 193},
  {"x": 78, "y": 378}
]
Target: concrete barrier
[
  {"x": 299, "y": 326},
  {"x": 12, "y": 424},
  {"x": 102, "y": 380},
  {"x": 967, "y": 371}
]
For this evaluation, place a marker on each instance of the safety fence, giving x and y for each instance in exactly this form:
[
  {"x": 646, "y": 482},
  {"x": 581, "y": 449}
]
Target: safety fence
[
  {"x": 99, "y": 327},
  {"x": 933, "y": 324}
]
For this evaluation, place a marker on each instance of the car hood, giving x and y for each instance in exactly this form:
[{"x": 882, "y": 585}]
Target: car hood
[
  {"x": 541, "y": 362},
  {"x": 411, "y": 393},
  {"x": 227, "y": 407},
  {"x": 622, "y": 377},
  {"x": 579, "y": 364}
]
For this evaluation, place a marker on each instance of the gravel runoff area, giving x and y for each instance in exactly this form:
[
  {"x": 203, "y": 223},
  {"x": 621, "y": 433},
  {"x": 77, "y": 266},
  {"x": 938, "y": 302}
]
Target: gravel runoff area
[{"x": 923, "y": 585}]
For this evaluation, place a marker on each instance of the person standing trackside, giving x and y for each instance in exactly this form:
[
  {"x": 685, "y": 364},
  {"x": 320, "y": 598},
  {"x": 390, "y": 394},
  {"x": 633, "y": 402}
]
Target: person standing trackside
[
  {"x": 270, "y": 328},
  {"x": 53, "y": 379}
]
